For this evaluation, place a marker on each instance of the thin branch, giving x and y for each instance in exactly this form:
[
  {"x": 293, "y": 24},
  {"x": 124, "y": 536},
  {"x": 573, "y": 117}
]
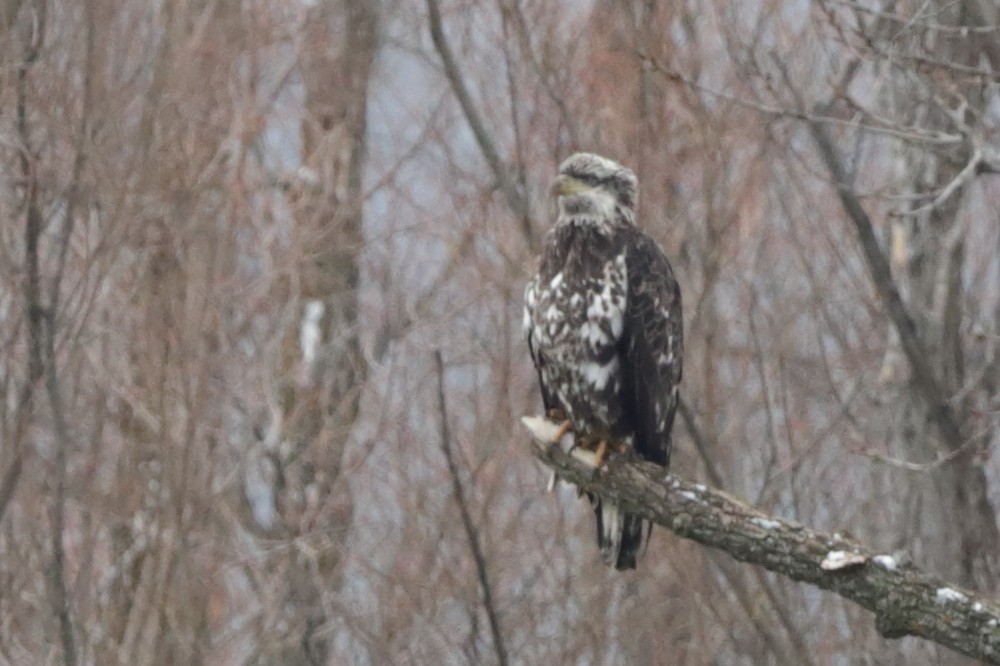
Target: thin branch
[
  {"x": 964, "y": 177},
  {"x": 501, "y": 172},
  {"x": 916, "y": 21},
  {"x": 544, "y": 76},
  {"x": 802, "y": 655},
  {"x": 40, "y": 344},
  {"x": 470, "y": 528},
  {"x": 923, "y": 376},
  {"x": 905, "y": 600},
  {"x": 12, "y": 476},
  {"x": 985, "y": 14},
  {"x": 700, "y": 445},
  {"x": 914, "y": 134},
  {"x": 60, "y": 597},
  {"x": 916, "y": 467}
]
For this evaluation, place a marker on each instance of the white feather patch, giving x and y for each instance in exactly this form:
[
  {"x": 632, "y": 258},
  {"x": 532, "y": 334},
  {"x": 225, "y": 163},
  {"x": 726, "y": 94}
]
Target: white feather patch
[
  {"x": 597, "y": 374},
  {"x": 611, "y": 522},
  {"x": 593, "y": 333}
]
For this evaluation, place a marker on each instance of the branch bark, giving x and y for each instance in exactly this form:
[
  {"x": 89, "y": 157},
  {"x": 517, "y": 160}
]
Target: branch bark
[{"x": 905, "y": 600}]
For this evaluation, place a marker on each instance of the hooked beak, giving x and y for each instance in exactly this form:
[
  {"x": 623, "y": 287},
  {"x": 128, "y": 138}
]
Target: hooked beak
[{"x": 567, "y": 185}]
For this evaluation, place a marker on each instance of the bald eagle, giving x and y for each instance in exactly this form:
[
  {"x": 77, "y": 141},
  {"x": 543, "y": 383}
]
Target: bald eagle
[{"x": 603, "y": 321}]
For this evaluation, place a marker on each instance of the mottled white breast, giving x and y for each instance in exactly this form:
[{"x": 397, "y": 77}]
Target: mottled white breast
[{"x": 576, "y": 322}]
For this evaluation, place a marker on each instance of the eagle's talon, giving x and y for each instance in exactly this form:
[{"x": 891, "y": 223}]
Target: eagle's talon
[
  {"x": 601, "y": 454},
  {"x": 564, "y": 428}
]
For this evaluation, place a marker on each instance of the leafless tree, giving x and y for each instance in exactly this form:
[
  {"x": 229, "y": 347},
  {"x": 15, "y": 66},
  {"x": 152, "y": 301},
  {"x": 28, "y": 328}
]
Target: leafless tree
[{"x": 236, "y": 232}]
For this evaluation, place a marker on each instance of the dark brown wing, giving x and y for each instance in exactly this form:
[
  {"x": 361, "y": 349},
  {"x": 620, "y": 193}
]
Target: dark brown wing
[{"x": 652, "y": 348}]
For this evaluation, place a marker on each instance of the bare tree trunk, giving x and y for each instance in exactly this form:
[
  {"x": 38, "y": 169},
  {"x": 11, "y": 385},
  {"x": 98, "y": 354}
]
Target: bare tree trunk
[{"x": 322, "y": 367}]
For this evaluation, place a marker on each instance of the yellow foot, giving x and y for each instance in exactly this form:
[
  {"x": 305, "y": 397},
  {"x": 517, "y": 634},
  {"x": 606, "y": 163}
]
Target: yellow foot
[
  {"x": 601, "y": 453},
  {"x": 563, "y": 429}
]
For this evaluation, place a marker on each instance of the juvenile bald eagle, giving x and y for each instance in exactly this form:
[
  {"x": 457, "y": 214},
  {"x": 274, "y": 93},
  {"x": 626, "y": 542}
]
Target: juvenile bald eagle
[{"x": 603, "y": 321}]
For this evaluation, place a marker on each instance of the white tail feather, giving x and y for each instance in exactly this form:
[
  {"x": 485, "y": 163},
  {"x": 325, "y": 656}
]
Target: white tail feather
[{"x": 612, "y": 528}]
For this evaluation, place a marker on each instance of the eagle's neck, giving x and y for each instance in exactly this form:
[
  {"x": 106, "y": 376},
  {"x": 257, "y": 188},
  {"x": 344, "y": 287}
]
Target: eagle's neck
[{"x": 581, "y": 248}]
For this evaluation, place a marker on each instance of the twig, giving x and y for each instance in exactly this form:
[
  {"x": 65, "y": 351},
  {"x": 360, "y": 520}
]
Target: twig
[
  {"x": 912, "y": 466},
  {"x": 923, "y": 376},
  {"x": 906, "y": 133},
  {"x": 970, "y": 171},
  {"x": 41, "y": 321},
  {"x": 470, "y": 528},
  {"x": 920, "y": 21},
  {"x": 12, "y": 475},
  {"x": 545, "y": 76},
  {"x": 60, "y": 598},
  {"x": 905, "y": 600},
  {"x": 515, "y": 197},
  {"x": 700, "y": 445}
]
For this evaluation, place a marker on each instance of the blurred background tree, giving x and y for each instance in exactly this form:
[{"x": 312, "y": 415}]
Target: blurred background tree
[{"x": 236, "y": 230}]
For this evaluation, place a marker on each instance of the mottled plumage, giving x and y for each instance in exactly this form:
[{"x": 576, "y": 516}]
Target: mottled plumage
[{"x": 603, "y": 321}]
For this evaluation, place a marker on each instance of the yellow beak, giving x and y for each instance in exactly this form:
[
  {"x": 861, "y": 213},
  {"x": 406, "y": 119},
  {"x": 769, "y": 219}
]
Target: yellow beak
[{"x": 567, "y": 185}]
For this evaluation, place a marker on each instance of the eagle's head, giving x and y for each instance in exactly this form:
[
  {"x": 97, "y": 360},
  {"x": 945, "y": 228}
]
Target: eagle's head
[{"x": 592, "y": 186}]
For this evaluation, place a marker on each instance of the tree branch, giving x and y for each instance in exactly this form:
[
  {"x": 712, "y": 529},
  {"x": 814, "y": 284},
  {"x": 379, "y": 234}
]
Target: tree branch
[
  {"x": 924, "y": 378},
  {"x": 470, "y": 527},
  {"x": 905, "y": 600},
  {"x": 515, "y": 196},
  {"x": 41, "y": 320}
]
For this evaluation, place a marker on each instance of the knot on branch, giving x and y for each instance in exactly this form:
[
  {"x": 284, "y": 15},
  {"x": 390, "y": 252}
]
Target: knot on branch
[{"x": 892, "y": 622}]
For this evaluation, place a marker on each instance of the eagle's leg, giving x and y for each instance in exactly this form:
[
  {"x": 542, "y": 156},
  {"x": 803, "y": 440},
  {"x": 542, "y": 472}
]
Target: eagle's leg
[
  {"x": 558, "y": 416},
  {"x": 601, "y": 453},
  {"x": 564, "y": 428}
]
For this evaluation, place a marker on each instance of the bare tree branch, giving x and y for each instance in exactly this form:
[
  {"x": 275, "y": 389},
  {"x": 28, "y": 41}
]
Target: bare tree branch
[
  {"x": 544, "y": 75},
  {"x": 11, "y": 478},
  {"x": 56, "y": 572},
  {"x": 802, "y": 654},
  {"x": 470, "y": 528},
  {"x": 985, "y": 14},
  {"x": 914, "y": 134},
  {"x": 924, "y": 378},
  {"x": 501, "y": 172},
  {"x": 41, "y": 320},
  {"x": 964, "y": 177},
  {"x": 905, "y": 600}
]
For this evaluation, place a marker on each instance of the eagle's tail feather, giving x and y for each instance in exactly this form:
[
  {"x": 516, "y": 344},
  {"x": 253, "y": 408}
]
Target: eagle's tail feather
[{"x": 620, "y": 535}]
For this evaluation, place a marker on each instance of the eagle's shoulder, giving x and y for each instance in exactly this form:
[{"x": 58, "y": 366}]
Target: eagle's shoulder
[
  {"x": 653, "y": 315},
  {"x": 646, "y": 255}
]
